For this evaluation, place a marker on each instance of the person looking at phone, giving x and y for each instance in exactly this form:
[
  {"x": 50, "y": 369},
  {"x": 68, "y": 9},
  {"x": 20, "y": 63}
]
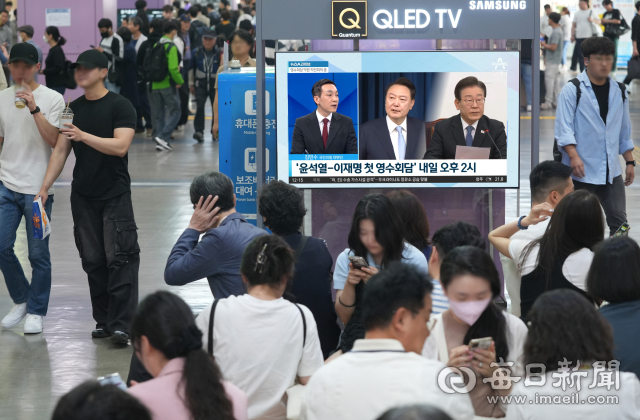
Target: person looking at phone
[
  {"x": 444, "y": 240},
  {"x": 187, "y": 382},
  {"x": 619, "y": 258},
  {"x": 28, "y": 136},
  {"x": 375, "y": 240},
  {"x": 385, "y": 368},
  {"x": 564, "y": 326},
  {"x": 262, "y": 342},
  {"x": 471, "y": 283},
  {"x": 561, "y": 257}
]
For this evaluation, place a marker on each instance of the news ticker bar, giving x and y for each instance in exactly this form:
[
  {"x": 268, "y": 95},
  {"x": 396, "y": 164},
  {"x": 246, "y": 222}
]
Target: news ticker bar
[{"x": 397, "y": 179}]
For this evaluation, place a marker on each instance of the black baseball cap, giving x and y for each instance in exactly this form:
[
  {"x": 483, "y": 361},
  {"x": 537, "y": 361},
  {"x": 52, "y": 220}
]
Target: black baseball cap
[
  {"x": 209, "y": 33},
  {"x": 24, "y": 52},
  {"x": 91, "y": 59}
]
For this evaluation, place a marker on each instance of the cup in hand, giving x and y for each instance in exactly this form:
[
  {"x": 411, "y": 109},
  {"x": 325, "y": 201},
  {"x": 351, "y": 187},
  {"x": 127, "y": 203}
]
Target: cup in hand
[
  {"x": 19, "y": 102},
  {"x": 66, "y": 117}
]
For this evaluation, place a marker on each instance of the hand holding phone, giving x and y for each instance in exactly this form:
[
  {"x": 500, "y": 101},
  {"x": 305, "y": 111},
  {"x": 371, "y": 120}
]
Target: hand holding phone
[
  {"x": 623, "y": 230},
  {"x": 358, "y": 262}
]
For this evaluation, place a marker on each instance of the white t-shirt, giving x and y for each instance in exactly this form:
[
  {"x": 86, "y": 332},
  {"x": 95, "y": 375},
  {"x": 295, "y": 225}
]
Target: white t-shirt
[
  {"x": 258, "y": 346},
  {"x": 574, "y": 269},
  {"x": 25, "y": 155},
  {"x": 565, "y": 23},
  {"x": 584, "y": 28},
  {"x": 626, "y": 407}
]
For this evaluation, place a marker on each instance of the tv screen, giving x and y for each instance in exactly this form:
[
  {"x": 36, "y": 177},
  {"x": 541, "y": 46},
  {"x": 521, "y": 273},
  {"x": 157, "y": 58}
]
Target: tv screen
[{"x": 394, "y": 119}]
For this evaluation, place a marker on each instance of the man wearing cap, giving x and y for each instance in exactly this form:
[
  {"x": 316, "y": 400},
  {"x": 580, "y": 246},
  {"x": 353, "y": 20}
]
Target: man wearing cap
[
  {"x": 28, "y": 135},
  {"x": 104, "y": 226},
  {"x": 26, "y": 35},
  {"x": 202, "y": 78}
]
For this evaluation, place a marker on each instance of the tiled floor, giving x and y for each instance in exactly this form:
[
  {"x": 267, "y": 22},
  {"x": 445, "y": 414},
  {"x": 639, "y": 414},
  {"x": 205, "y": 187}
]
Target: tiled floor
[{"x": 36, "y": 370}]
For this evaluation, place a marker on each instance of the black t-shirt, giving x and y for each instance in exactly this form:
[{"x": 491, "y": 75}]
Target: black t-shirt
[
  {"x": 98, "y": 176},
  {"x": 613, "y": 14},
  {"x": 602, "y": 95}
]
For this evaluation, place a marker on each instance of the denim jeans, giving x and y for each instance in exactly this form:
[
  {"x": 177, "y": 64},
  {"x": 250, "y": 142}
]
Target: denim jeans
[
  {"x": 564, "y": 52},
  {"x": 107, "y": 240},
  {"x": 166, "y": 111},
  {"x": 111, "y": 86},
  {"x": 612, "y": 198},
  {"x": 13, "y": 208},
  {"x": 525, "y": 69}
]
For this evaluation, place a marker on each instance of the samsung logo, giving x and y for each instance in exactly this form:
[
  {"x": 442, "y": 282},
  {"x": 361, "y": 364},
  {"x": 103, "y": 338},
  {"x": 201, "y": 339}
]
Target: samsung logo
[{"x": 498, "y": 5}]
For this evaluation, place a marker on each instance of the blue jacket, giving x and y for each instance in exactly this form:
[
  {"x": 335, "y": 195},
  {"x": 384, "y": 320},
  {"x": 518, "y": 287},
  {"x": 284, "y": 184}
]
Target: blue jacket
[
  {"x": 205, "y": 65},
  {"x": 217, "y": 256}
]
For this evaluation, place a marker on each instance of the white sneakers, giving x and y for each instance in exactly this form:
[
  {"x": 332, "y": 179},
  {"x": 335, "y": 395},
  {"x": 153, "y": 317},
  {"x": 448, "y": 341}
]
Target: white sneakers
[
  {"x": 32, "y": 325},
  {"x": 15, "y": 315}
]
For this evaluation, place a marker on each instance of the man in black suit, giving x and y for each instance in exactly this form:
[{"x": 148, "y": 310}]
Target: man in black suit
[
  {"x": 324, "y": 131},
  {"x": 469, "y": 128},
  {"x": 396, "y": 136}
]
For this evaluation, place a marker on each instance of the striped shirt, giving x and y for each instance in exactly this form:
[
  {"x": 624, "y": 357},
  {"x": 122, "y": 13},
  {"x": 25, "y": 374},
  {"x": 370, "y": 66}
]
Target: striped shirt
[{"x": 440, "y": 303}]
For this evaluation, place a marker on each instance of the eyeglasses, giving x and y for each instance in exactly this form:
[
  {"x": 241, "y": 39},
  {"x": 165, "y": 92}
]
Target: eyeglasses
[{"x": 470, "y": 102}]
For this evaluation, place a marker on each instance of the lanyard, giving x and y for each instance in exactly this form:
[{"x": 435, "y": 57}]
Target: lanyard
[{"x": 208, "y": 67}]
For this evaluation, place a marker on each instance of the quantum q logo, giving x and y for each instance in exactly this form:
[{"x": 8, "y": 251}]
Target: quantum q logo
[{"x": 348, "y": 19}]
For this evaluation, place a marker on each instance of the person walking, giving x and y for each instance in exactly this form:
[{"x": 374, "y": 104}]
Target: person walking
[
  {"x": 635, "y": 41},
  {"x": 552, "y": 60},
  {"x": 55, "y": 61},
  {"x": 202, "y": 78},
  {"x": 105, "y": 229},
  {"x": 565, "y": 24},
  {"x": 611, "y": 19},
  {"x": 582, "y": 29},
  {"x": 113, "y": 48},
  {"x": 593, "y": 131}
]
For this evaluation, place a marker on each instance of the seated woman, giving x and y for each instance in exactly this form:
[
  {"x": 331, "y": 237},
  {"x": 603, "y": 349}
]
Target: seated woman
[
  {"x": 262, "y": 342},
  {"x": 471, "y": 282},
  {"x": 614, "y": 277},
  {"x": 187, "y": 383},
  {"x": 377, "y": 237},
  {"x": 414, "y": 219},
  {"x": 573, "y": 345},
  {"x": 561, "y": 258},
  {"x": 282, "y": 208}
]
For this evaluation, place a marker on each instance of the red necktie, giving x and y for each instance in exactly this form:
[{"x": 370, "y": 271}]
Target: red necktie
[{"x": 325, "y": 132}]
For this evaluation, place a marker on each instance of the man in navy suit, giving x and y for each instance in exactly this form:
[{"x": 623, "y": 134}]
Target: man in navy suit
[
  {"x": 324, "y": 131},
  {"x": 396, "y": 136},
  {"x": 470, "y": 127}
]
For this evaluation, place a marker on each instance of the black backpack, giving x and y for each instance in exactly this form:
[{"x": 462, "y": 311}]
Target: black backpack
[
  {"x": 69, "y": 76},
  {"x": 155, "y": 67},
  {"x": 557, "y": 155}
]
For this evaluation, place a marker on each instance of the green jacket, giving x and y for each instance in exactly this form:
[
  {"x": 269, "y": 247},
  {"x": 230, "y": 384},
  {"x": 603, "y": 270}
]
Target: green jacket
[{"x": 174, "y": 67}]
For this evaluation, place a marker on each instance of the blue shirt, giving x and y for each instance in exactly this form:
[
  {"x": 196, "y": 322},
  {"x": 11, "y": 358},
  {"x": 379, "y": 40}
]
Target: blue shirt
[
  {"x": 31, "y": 41},
  {"x": 439, "y": 302},
  {"x": 217, "y": 256},
  {"x": 410, "y": 255},
  {"x": 597, "y": 143}
]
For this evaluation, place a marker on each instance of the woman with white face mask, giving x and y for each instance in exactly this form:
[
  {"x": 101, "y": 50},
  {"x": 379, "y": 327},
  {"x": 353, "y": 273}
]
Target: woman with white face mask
[{"x": 471, "y": 282}]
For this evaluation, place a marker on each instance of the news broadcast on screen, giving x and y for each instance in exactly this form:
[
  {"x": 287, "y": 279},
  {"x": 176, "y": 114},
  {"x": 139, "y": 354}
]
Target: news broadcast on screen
[{"x": 390, "y": 119}]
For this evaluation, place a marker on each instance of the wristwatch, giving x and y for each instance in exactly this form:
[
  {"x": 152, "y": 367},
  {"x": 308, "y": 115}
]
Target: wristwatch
[
  {"x": 631, "y": 162},
  {"x": 35, "y": 111}
]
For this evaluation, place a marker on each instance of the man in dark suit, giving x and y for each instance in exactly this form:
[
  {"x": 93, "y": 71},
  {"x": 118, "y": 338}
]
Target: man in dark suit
[
  {"x": 396, "y": 136},
  {"x": 324, "y": 131},
  {"x": 469, "y": 128}
]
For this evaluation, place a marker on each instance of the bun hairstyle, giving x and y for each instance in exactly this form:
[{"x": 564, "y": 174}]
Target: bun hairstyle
[
  {"x": 267, "y": 260},
  {"x": 169, "y": 325}
]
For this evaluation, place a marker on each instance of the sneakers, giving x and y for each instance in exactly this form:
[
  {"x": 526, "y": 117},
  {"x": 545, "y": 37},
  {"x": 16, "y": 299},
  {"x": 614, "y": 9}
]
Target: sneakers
[
  {"x": 33, "y": 324},
  {"x": 100, "y": 333},
  {"x": 161, "y": 144},
  {"x": 528, "y": 108},
  {"x": 198, "y": 135},
  {"x": 546, "y": 106},
  {"x": 149, "y": 132},
  {"x": 120, "y": 337},
  {"x": 15, "y": 315}
]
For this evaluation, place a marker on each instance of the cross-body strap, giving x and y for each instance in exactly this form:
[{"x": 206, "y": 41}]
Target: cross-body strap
[
  {"x": 304, "y": 326},
  {"x": 576, "y": 83},
  {"x": 211, "y": 316}
]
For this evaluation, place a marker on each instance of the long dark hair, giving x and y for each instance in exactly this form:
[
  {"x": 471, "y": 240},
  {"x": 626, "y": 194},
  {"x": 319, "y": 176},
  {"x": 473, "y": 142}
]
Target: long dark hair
[
  {"x": 563, "y": 323},
  {"x": 388, "y": 230},
  {"x": 169, "y": 325},
  {"x": 55, "y": 35},
  {"x": 413, "y": 217},
  {"x": 476, "y": 262},
  {"x": 576, "y": 223},
  {"x": 614, "y": 274}
]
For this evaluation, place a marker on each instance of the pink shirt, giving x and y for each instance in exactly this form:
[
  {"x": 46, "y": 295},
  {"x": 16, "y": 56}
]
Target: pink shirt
[{"x": 163, "y": 399}]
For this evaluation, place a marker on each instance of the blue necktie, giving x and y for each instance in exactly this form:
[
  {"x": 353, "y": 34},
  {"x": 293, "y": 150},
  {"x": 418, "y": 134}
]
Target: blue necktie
[
  {"x": 402, "y": 145},
  {"x": 469, "y": 138}
]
